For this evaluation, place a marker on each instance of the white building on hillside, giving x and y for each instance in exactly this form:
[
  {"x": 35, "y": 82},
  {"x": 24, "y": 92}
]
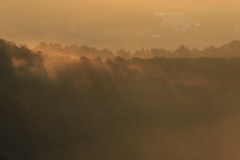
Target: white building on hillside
[{"x": 176, "y": 21}]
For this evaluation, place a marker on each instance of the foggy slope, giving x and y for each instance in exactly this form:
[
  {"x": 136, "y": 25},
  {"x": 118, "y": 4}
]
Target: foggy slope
[{"x": 56, "y": 107}]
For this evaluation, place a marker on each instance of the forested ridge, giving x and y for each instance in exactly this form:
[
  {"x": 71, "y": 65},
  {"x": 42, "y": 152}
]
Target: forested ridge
[{"x": 59, "y": 106}]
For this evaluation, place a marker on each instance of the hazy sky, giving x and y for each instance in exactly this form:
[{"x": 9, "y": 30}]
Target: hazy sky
[{"x": 53, "y": 19}]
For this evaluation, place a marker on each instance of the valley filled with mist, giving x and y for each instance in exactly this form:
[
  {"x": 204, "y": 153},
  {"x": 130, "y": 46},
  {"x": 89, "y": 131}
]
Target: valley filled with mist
[{"x": 79, "y": 102}]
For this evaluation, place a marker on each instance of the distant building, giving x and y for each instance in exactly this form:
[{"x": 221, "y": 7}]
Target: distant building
[
  {"x": 174, "y": 16},
  {"x": 176, "y": 21}
]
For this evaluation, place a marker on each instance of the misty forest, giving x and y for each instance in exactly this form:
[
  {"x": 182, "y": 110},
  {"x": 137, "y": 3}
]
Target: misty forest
[{"x": 82, "y": 103}]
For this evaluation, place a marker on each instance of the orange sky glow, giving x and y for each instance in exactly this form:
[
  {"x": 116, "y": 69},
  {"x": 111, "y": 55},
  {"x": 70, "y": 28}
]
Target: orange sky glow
[{"x": 41, "y": 20}]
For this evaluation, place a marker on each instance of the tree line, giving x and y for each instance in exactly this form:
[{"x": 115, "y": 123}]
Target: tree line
[{"x": 231, "y": 49}]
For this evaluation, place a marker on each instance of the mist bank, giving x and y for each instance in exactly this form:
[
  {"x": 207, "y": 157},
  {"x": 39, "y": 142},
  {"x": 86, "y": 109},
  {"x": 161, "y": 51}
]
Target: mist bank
[{"x": 58, "y": 107}]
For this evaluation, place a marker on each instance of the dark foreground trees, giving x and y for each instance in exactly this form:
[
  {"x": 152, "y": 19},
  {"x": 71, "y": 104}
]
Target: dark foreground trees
[{"x": 56, "y": 107}]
